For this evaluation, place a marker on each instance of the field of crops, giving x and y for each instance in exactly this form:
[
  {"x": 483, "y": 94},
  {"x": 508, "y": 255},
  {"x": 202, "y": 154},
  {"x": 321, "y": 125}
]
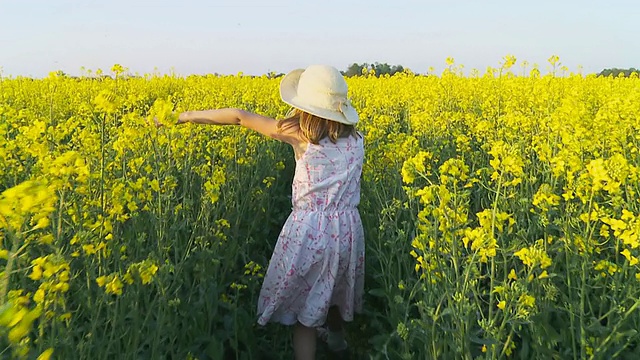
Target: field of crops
[{"x": 501, "y": 212}]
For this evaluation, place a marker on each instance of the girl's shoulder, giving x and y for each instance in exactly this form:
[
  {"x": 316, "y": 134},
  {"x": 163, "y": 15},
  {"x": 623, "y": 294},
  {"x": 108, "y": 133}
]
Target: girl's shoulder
[{"x": 341, "y": 141}]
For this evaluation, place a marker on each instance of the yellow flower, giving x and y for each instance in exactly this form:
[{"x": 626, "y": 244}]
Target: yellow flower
[
  {"x": 46, "y": 355},
  {"x": 502, "y": 304},
  {"x": 415, "y": 166},
  {"x": 237, "y": 286},
  {"x": 545, "y": 199},
  {"x": 509, "y": 61},
  {"x": 534, "y": 255},
  {"x": 101, "y": 281},
  {"x": 252, "y": 268},
  {"x": 147, "y": 273},
  {"x": 482, "y": 243},
  {"x": 527, "y": 300},
  {"x": 36, "y": 273},
  {"x": 18, "y": 332},
  {"x": 42, "y": 223},
  {"x": 512, "y": 275},
  {"x": 630, "y": 258},
  {"x": 46, "y": 239},
  {"x": 114, "y": 286},
  {"x": 89, "y": 249},
  {"x": 38, "y": 297},
  {"x": 21, "y": 323},
  {"x": 524, "y": 256},
  {"x": 62, "y": 287},
  {"x": 155, "y": 185},
  {"x": 128, "y": 278}
]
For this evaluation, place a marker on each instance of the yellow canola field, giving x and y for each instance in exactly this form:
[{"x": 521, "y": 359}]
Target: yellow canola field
[{"x": 501, "y": 211}]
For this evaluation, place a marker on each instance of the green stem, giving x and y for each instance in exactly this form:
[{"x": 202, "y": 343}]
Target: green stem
[
  {"x": 493, "y": 264},
  {"x": 59, "y": 229},
  {"x": 454, "y": 243},
  {"x": 583, "y": 283},
  {"x": 4, "y": 286},
  {"x": 615, "y": 329},
  {"x": 102, "y": 168},
  {"x": 572, "y": 319}
]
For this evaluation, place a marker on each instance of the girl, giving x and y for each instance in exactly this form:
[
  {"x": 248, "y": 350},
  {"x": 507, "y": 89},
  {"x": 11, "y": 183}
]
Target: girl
[{"x": 316, "y": 273}]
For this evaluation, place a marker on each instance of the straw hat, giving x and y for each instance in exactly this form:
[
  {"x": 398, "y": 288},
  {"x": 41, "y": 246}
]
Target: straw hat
[{"x": 319, "y": 90}]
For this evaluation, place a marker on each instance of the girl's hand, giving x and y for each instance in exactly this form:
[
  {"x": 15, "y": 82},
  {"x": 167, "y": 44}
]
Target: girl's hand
[
  {"x": 155, "y": 123},
  {"x": 179, "y": 121}
]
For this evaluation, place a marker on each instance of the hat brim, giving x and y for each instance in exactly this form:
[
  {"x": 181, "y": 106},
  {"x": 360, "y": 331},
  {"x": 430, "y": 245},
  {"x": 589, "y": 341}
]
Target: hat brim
[{"x": 289, "y": 94}]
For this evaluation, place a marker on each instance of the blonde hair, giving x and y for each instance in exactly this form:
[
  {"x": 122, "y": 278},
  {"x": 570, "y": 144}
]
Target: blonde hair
[{"x": 314, "y": 128}]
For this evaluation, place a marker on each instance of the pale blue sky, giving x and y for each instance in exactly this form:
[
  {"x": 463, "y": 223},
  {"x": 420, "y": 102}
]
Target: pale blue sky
[{"x": 196, "y": 37}]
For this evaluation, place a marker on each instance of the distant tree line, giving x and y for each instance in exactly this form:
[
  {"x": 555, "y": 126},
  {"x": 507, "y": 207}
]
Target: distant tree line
[
  {"x": 355, "y": 69},
  {"x": 376, "y": 68},
  {"x": 616, "y": 72}
]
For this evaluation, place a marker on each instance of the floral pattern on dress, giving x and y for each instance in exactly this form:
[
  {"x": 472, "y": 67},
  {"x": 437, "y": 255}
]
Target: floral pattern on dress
[{"x": 318, "y": 260}]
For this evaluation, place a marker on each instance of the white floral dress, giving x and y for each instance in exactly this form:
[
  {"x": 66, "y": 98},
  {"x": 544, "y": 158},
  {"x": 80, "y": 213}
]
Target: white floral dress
[{"x": 318, "y": 260}]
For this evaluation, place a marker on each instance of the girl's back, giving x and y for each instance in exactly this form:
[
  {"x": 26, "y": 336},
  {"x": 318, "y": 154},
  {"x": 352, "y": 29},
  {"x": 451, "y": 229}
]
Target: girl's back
[{"x": 327, "y": 176}]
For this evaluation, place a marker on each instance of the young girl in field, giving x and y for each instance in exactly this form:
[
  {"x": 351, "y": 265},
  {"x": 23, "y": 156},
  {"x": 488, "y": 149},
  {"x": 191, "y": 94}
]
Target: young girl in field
[{"x": 315, "y": 277}]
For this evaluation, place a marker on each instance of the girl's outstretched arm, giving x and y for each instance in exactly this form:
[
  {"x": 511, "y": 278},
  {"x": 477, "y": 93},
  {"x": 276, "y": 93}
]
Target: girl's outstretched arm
[{"x": 262, "y": 124}]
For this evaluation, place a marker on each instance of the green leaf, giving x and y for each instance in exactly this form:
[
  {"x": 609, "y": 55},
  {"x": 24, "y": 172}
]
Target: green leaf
[
  {"x": 476, "y": 340},
  {"x": 377, "y": 292},
  {"x": 445, "y": 312}
]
